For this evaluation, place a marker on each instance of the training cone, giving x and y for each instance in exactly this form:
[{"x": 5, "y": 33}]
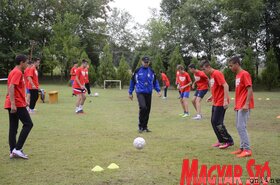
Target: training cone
[
  {"x": 267, "y": 98},
  {"x": 278, "y": 117},
  {"x": 113, "y": 166},
  {"x": 97, "y": 169},
  {"x": 259, "y": 98}
]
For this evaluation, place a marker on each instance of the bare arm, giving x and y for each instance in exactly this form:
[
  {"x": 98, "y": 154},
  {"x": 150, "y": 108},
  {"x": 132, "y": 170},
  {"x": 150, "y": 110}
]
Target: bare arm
[
  {"x": 249, "y": 96},
  {"x": 31, "y": 82},
  {"x": 226, "y": 95},
  {"x": 11, "y": 91}
]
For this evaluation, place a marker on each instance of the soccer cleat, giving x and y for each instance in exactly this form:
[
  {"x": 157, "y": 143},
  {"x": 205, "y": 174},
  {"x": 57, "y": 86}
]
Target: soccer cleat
[
  {"x": 12, "y": 155},
  {"x": 80, "y": 112},
  {"x": 225, "y": 145},
  {"x": 245, "y": 153},
  {"x": 140, "y": 130},
  {"x": 181, "y": 114},
  {"x": 239, "y": 151},
  {"x": 185, "y": 115},
  {"x": 31, "y": 111},
  {"x": 197, "y": 117},
  {"x": 217, "y": 144},
  {"x": 147, "y": 130},
  {"x": 19, "y": 153}
]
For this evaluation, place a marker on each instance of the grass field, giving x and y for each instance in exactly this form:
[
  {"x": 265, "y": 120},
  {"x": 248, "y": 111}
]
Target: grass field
[{"x": 63, "y": 147}]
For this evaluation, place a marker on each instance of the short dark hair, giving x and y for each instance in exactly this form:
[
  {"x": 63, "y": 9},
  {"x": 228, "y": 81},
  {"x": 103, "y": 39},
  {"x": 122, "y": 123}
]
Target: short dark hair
[
  {"x": 21, "y": 58},
  {"x": 205, "y": 63},
  {"x": 37, "y": 59},
  {"x": 84, "y": 61},
  {"x": 235, "y": 60},
  {"x": 180, "y": 67},
  {"x": 192, "y": 66}
]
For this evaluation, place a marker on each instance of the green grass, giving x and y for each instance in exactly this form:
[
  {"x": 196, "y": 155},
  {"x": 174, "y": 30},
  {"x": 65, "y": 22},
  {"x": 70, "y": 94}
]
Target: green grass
[{"x": 64, "y": 147}]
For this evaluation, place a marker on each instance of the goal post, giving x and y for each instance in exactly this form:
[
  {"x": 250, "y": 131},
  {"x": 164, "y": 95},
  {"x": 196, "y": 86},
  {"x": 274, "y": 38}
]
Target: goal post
[{"x": 115, "y": 81}]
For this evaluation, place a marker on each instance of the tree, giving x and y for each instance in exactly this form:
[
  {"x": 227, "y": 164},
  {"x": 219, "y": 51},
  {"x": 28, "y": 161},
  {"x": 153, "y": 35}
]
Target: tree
[
  {"x": 248, "y": 63},
  {"x": 64, "y": 44},
  {"x": 106, "y": 69},
  {"x": 157, "y": 65},
  {"x": 214, "y": 63},
  {"x": 123, "y": 73},
  {"x": 175, "y": 59},
  {"x": 270, "y": 73},
  {"x": 230, "y": 78}
]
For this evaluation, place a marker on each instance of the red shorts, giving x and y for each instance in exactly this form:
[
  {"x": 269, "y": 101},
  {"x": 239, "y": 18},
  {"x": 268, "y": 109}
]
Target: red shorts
[{"x": 79, "y": 91}]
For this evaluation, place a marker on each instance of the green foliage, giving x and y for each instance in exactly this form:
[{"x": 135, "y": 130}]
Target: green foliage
[
  {"x": 248, "y": 63},
  {"x": 175, "y": 59},
  {"x": 270, "y": 73},
  {"x": 214, "y": 63},
  {"x": 106, "y": 69},
  {"x": 157, "y": 65},
  {"x": 123, "y": 72},
  {"x": 230, "y": 78},
  {"x": 195, "y": 62}
]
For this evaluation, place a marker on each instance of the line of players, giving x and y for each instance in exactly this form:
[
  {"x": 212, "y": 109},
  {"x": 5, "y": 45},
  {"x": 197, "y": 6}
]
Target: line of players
[
  {"x": 16, "y": 102},
  {"x": 144, "y": 80}
]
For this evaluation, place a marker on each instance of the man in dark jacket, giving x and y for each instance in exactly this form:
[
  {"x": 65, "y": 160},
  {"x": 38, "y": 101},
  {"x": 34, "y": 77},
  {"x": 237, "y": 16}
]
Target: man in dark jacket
[{"x": 144, "y": 80}]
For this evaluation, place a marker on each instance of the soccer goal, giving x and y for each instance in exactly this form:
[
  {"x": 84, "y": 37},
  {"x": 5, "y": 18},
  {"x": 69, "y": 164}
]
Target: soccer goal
[{"x": 113, "y": 81}]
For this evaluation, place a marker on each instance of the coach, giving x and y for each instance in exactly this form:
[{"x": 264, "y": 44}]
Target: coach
[{"x": 144, "y": 80}]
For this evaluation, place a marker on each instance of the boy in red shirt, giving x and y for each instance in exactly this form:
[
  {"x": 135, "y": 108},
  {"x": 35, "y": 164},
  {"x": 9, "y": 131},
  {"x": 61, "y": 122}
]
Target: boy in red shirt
[
  {"x": 184, "y": 86},
  {"x": 29, "y": 65},
  {"x": 165, "y": 82},
  {"x": 87, "y": 84},
  {"x": 15, "y": 103},
  {"x": 33, "y": 81},
  {"x": 201, "y": 81},
  {"x": 73, "y": 75},
  {"x": 79, "y": 87},
  {"x": 220, "y": 100},
  {"x": 244, "y": 102}
]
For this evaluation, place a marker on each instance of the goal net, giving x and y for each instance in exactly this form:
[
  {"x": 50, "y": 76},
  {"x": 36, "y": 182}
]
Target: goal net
[{"x": 110, "y": 82}]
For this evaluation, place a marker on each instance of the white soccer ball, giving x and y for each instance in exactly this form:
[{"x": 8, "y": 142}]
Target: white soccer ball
[
  {"x": 96, "y": 94},
  {"x": 139, "y": 143}
]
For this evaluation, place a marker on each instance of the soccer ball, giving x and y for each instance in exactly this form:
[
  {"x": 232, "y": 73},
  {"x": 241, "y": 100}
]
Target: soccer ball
[
  {"x": 139, "y": 143},
  {"x": 96, "y": 94}
]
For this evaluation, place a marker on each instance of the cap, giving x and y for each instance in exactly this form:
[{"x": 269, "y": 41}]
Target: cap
[{"x": 145, "y": 59}]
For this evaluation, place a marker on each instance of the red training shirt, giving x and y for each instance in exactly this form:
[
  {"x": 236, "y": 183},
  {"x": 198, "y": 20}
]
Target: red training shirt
[
  {"x": 86, "y": 77},
  {"x": 73, "y": 73},
  {"x": 16, "y": 78},
  {"x": 165, "y": 79},
  {"x": 201, "y": 80},
  {"x": 217, "y": 89},
  {"x": 242, "y": 81},
  {"x": 33, "y": 73},
  {"x": 184, "y": 79},
  {"x": 27, "y": 85},
  {"x": 81, "y": 74}
]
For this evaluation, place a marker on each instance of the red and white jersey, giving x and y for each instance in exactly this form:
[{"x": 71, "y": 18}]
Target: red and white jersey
[
  {"x": 217, "y": 89},
  {"x": 81, "y": 74},
  {"x": 184, "y": 79},
  {"x": 201, "y": 80},
  {"x": 242, "y": 82},
  {"x": 17, "y": 79},
  {"x": 33, "y": 73}
]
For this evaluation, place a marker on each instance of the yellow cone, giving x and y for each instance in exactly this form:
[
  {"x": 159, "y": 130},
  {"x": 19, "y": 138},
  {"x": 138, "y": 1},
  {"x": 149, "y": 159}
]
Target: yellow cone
[
  {"x": 97, "y": 169},
  {"x": 267, "y": 98},
  {"x": 113, "y": 166}
]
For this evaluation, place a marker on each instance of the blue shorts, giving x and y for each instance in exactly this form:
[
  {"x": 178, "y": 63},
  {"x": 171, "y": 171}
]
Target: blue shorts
[
  {"x": 27, "y": 91},
  {"x": 185, "y": 94},
  {"x": 71, "y": 82},
  {"x": 200, "y": 93}
]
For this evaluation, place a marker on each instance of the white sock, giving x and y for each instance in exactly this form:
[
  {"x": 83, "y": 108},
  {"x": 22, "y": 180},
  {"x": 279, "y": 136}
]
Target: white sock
[{"x": 80, "y": 107}]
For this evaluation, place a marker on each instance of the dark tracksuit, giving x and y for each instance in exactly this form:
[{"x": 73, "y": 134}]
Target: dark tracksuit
[{"x": 144, "y": 80}]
